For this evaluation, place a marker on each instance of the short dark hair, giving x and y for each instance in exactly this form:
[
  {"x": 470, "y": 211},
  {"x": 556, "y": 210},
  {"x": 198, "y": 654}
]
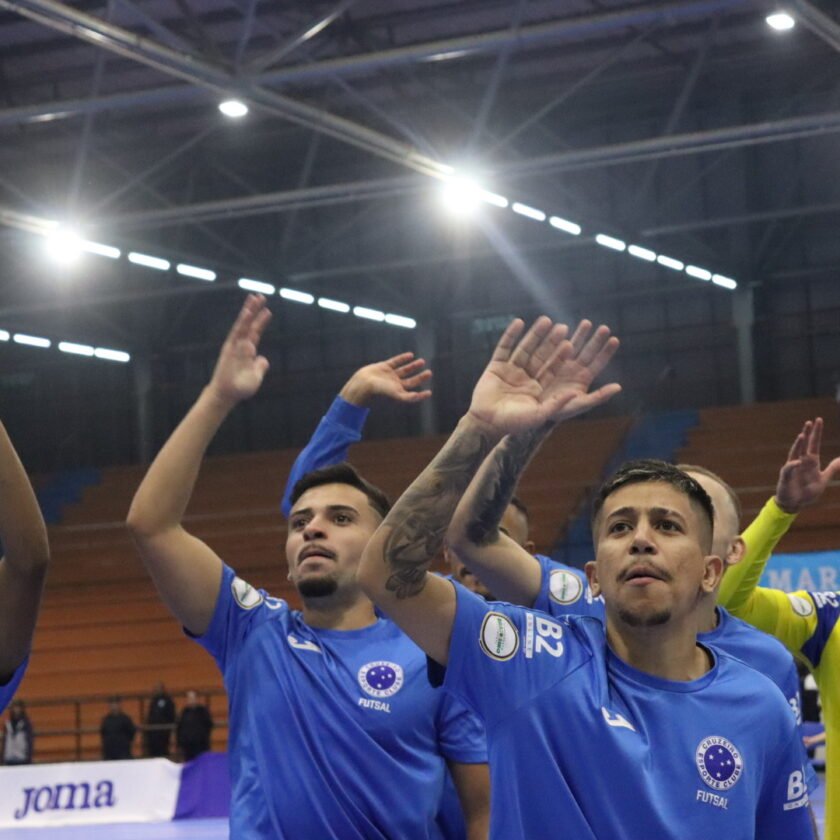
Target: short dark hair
[
  {"x": 342, "y": 474},
  {"x": 520, "y": 506},
  {"x": 646, "y": 470},
  {"x": 733, "y": 496}
]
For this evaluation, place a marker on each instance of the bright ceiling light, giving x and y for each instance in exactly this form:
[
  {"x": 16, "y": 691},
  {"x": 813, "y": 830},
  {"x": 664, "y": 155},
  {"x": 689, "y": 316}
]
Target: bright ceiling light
[
  {"x": 233, "y": 108},
  {"x": 194, "y": 271},
  {"x": 76, "y": 349},
  {"x": 400, "y": 321},
  {"x": 670, "y": 262},
  {"x": 102, "y": 250},
  {"x": 699, "y": 273},
  {"x": 296, "y": 296},
  {"x": 333, "y": 305},
  {"x": 111, "y": 355},
  {"x": 148, "y": 261},
  {"x": 565, "y": 225},
  {"x": 780, "y": 21},
  {"x": 528, "y": 211},
  {"x": 461, "y": 195},
  {"x": 371, "y": 314},
  {"x": 64, "y": 245},
  {"x": 256, "y": 286},
  {"x": 641, "y": 253},
  {"x": 31, "y": 340},
  {"x": 726, "y": 282},
  {"x": 610, "y": 242}
]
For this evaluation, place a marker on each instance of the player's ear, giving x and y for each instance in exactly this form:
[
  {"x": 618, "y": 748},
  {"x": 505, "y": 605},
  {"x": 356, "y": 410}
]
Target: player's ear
[
  {"x": 591, "y": 569},
  {"x": 736, "y": 551},
  {"x": 530, "y": 546},
  {"x": 712, "y": 573}
]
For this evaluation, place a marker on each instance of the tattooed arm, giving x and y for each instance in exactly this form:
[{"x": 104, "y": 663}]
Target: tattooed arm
[
  {"x": 529, "y": 382},
  {"x": 503, "y": 565}
]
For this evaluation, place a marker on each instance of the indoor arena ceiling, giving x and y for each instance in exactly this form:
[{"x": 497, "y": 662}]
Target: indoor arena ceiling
[{"x": 692, "y": 130}]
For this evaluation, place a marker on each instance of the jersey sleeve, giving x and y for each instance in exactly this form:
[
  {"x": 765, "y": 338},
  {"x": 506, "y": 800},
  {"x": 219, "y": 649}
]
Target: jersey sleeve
[
  {"x": 339, "y": 428},
  {"x": 760, "y": 538},
  {"x": 460, "y": 733},
  {"x": 502, "y": 656},
  {"x": 782, "y": 812},
  {"x": 543, "y": 600},
  {"x": 239, "y": 609}
]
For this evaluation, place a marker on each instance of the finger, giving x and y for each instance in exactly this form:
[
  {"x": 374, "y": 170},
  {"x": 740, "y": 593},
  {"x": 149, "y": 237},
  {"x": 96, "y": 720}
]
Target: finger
[
  {"x": 410, "y": 368},
  {"x": 414, "y": 396},
  {"x": 258, "y": 324},
  {"x": 604, "y": 356},
  {"x": 242, "y": 324},
  {"x": 262, "y": 365},
  {"x": 580, "y": 335},
  {"x": 594, "y": 345},
  {"x": 831, "y": 470},
  {"x": 414, "y": 381},
  {"x": 400, "y": 359},
  {"x": 586, "y": 402},
  {"x": 529, "y": 343},
  {"x": 508, "y": 340},
  {"x": 547, "y": 350},
  {"x": 815, "y": 440},
  {"x": 545, "y": 376},
  {"x": 797, "y": 450}
]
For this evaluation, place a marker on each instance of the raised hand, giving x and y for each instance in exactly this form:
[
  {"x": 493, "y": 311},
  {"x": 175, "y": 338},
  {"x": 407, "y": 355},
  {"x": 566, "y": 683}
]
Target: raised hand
[
  {"x": 239, "y": 370},
  {"x": 396, "y": 378},
  {"x": 541, "y": 377},
  {"x": 801, "y": 481}
]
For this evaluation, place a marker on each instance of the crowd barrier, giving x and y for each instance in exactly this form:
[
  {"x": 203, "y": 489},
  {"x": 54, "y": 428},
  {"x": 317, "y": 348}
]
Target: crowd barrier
[{"x": 135, "y": 791}]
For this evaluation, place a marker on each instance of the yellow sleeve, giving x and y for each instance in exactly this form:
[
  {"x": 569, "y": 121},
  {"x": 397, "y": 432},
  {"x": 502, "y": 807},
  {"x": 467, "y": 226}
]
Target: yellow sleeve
[
  {"x": 761, "y": 538},
  {"x": 790, "y": 617}
]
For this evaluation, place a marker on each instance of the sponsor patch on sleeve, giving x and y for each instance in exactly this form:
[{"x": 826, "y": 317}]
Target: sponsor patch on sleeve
[
  {"x": 801, "y": 605},
  {"x": 499, "y": 637},
  {"x": 564, "y": 587},
  {"x": 244, "y": 594}
]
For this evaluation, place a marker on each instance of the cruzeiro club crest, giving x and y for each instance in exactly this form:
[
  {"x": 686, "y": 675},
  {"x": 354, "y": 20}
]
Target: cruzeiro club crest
[
  {"x": 381, "y": 679},
  {"x": 719, "y": 762}
]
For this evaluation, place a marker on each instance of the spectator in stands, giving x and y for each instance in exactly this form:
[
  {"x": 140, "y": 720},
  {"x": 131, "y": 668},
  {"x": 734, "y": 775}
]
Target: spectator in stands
[
  {"x": 17, "y": 736},
  {"x": 160, "y": 721},
  {"x": 194, "y": 727},
  {"x": 334, "y": 729},
  {"x": 22, "y": 568},
  {"x": 117, "y": 732},
  {"x": 807, "y": 623},
  {"x": 660, "y": 712}
]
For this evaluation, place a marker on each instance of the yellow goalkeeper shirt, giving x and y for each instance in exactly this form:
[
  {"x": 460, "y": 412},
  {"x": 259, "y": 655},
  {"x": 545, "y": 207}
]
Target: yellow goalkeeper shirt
[{"x": 807, "y": 623}]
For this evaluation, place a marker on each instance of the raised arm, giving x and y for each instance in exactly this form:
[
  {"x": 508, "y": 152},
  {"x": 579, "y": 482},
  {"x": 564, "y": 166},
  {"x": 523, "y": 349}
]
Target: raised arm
[
  {"x": 508, "y": 570},
  {"x": 396, "y": 378},
  {"x": 525, "y": 385},
  {"x": 24, "y": 566},
  {"x": 801, "y": 483},
  {"x": 186, "y": 571}
]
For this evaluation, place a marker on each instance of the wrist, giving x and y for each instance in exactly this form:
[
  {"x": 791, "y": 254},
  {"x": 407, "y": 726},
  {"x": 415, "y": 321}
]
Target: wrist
[
  {"x": 217, "y": 401},
  {"x": 355, "y": 393},
  {"x": 475, "y": 425},
  {"x": 786, "y": 507}
]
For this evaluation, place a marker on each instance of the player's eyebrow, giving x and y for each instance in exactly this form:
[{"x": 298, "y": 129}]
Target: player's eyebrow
[{"x": 331, "y": 508}]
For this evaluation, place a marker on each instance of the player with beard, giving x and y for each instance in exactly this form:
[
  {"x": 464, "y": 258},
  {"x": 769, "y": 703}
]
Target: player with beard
[
  {"x": 332, "y": 718},
  {"x": 610, "y": 731}
]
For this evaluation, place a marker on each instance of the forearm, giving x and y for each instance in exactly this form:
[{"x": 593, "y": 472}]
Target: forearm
[
  {"x": 163, "y": 496},
  {"x": 22, "y": 529},
  {"x": 414, "y": 530}
]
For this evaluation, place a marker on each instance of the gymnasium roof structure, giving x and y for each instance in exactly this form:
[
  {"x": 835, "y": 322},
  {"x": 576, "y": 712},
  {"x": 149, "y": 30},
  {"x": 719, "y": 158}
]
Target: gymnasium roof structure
[{"x": 692, "y": 131}]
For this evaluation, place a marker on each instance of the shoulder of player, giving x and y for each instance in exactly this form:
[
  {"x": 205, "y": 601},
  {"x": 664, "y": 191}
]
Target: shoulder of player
[
  {"x": 751, "y": 685},
  {"x": 257, "y": 602}
]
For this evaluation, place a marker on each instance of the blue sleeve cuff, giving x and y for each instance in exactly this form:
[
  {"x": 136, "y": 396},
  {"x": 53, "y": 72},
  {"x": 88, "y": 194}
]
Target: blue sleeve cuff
[{"x": 343, "y": 413}]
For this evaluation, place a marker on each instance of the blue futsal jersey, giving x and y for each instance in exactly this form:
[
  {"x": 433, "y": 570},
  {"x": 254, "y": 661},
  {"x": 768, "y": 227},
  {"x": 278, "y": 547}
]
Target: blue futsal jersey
[
  {"x": 565, "y": 591},
  {"x": 583, "y": 746},
  {"x": 332, "y": 733},
  {"x": 7, "y": 691}
]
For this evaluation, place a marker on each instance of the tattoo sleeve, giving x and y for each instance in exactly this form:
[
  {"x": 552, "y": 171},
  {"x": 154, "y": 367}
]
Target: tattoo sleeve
[
  {"x": 421, "y": 516},
  {"x": 495, "y": 485}
]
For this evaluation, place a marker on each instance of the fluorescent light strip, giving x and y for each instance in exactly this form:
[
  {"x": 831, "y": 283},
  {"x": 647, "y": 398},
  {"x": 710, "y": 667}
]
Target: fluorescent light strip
[
  {"x": 699, "y": 273},
  {"x": 493, "y": 198},
  {"x": 400, "y": 321},
  {"x": 670, "y": 262},
  {"x": 642, "y": 253},
  {"x": 194, "y": 271},
  {"x": 103, "y": 250},
  {"x": 610, "y": 242},
  {"x": 565, "y": 225},
  {"x": 111, "y": 355},
  {"x": 5, "y": 335},
  {"x": 726, "y": 282},
  {"x": 256, "y": 286},
  {"x": 371, "y": 314},
  {"x": 333, "y": 305},
  {"x": 148, "y": 262},
  {"x": 31, "y": 340},
  {"x": 296, "y": 296},
  {"x": 76, "y": 349},
  {"x": 529, "y": 212}
]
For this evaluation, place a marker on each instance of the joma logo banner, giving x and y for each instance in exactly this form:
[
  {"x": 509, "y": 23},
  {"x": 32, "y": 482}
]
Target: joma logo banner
[{"x": 66, "y": 797}]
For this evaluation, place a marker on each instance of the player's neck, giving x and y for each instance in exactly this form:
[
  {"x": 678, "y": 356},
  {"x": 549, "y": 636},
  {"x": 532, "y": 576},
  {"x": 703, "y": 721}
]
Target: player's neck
[
  {"x": 668, "y": 651},
  {"x": 709, "y": 618},
  {"x": 335, "y": 613}
]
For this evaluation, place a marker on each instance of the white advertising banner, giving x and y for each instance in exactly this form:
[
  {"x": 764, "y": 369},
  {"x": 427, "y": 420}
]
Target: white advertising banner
[{"x": 87, "y": 792}]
